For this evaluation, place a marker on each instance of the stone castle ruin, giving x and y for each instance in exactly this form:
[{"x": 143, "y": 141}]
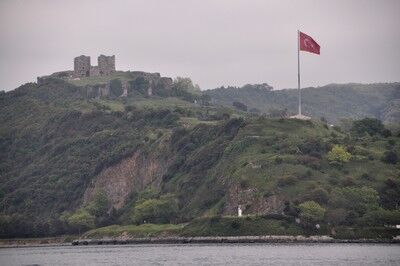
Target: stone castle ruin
[
  {"x": 128, "y": 84},
  {"x": 83, "y": 68}
]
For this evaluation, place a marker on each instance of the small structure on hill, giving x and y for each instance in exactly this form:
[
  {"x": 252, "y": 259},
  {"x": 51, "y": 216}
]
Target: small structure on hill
[
  {"x": 300, "y": 116},
  {"x": 240, "y": 211},
  {"x": 124, "y": 84}
]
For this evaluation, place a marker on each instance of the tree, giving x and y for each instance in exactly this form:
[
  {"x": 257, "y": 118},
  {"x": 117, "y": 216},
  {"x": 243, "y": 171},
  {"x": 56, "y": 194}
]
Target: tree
[
  {"x": 205, "y": 99},
  {"x": 380, "y": 217},
  {"x": 81, "y": 220},
  {"x": 390, "y": 194},
  {"x": 162, "y": 210},
  {"x": 277, "y": 113},
  {"x": 311, "y": 212},
  {"x": 390, "y": 157},
  {"x": 100, "y": 204},
  {"x": 338, "y": 155},
  {"x": 318, "y": 195},
  {"x": 386, "y": 133},
  {"x": 254, "y": 110},
  {"x": 371, "y": 126},
  {"x": 357, "y": 200},
  {"x": 185, "y": 89},
  {"x": 181, "y": 86},
  {"x": 240, "y": 106},
  {"x": 116, "y": 87},
  {"x": 140, "y": 84},
  {"x": 337, "y": 216}
]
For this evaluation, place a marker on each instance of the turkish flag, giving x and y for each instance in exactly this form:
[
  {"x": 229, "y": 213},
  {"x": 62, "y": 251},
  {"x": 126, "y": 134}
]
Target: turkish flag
[{"x": 308, "y": 44}]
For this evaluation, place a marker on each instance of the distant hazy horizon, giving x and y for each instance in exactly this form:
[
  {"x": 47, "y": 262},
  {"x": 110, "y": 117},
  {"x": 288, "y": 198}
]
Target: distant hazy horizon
[{"x": 215, "y": 43}]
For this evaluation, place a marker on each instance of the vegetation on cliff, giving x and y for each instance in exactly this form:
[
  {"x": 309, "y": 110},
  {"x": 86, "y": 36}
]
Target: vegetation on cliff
[{"x": 201, "y": 161}]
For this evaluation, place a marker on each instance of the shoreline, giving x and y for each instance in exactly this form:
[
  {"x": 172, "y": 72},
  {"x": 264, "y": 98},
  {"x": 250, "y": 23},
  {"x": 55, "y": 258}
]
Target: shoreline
[
  {"x": 57, "y": 242},
  {"x": 229, "y": 240}
]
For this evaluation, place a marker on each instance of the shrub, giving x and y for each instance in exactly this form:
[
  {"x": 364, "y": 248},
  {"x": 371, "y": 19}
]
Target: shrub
[
  {"x": 235, "y": 225},
  {"x": 240, "y": 106},
  {"x": 311, "y": 146},
  {"x": 358, "y": 200},
  {"x": 161, "y": 210},
  {"x": 278, "y": 160},
  {"x": 390, "y": 194},
  {"x": 277, "y": 113},
  {"x": 286, "y": 181},
  {"x": 318, "y": 195},
  {"x": 380, "y": 217},
  {"x": 244, "y": 183},
  {"x": 371, "y": 126},
  {"x": 386, "y": 133},
  {"x": 181, "y": 87},
  {"x": 336, "y": 216},
  {"x": 310, "y": 161},
  {"x": 290, "y": 209},
  {"x": 311, "y": 212},
  {"x": 100, "y": 204},
  {"x": 130, "y": 108},
  {"x": 390, "y": 157},
  {"x": 348, "y": 181},
  {"x": 140, "y": 84},
  {"x": 116, "y": 87},
  {"x": 81, "y": 220},
  {"x": 307, "y": 174},
  {"x": 366, "y": 176},
  {"x": 338, "y": 155}
]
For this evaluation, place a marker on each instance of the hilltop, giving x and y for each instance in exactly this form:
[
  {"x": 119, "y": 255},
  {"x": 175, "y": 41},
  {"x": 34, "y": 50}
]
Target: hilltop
[
  {"x": 333, "y": 102},
  {"x": 73, "y": 160}
]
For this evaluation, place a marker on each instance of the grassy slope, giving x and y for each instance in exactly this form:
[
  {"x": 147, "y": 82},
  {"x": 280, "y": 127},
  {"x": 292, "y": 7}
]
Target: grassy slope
[
  {"x": 235, "y": 226},
  {"x": 53, "y": 142},
  {"x": 144, "y": 230},
  {"x": 261, "y": 141}
]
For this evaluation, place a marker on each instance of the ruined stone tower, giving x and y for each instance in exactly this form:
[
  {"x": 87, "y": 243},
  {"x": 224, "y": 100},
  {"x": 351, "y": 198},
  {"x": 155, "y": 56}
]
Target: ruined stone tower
[
  {"x": 82, "y": 67},
  {"x": 106, "y": 64}
]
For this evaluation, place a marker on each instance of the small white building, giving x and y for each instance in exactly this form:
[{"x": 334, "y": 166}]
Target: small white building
[{"x": 239, "y": 211}]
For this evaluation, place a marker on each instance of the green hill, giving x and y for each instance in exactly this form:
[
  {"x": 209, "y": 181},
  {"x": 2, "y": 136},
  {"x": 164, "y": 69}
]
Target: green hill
[
  {"x": 71, "y": 162},
  {"x": 334, "y": 101}
]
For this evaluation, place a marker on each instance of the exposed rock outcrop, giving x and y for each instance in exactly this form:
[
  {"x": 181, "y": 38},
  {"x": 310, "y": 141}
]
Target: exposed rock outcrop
[
  {"x": 132, "y": 174},
  {"x": 251, "y": 202}
]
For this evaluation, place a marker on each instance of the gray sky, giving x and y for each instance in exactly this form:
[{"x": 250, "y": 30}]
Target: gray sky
[{"x": 214, "y": 42}]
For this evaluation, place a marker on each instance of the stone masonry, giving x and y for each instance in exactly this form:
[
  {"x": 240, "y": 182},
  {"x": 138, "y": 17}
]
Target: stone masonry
[
  {"x": 83, "y": 68},
  {"x": 106, "y": 64}
]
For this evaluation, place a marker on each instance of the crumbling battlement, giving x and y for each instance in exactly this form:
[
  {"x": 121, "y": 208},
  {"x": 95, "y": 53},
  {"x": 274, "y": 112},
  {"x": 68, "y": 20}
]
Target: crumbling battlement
[{"x": 125, "y": 84}]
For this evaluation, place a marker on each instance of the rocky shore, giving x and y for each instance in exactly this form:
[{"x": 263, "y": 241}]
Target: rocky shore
[
  {"x": 34, "y": 242},
  {"x": 228, "y": 239}
]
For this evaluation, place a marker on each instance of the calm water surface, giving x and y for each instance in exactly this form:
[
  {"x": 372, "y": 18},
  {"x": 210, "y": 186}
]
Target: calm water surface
[{"x": 207, "y": 254}]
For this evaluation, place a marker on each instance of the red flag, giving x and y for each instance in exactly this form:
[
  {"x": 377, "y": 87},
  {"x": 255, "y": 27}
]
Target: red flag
[{"x": 308, "y": 44}]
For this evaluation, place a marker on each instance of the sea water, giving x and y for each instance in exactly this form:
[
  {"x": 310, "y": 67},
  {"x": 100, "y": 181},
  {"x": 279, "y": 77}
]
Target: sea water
[{"x": 206, "y": 254}]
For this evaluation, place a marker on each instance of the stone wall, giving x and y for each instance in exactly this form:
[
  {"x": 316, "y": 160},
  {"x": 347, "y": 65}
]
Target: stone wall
[
  {"x": 82, "y": 66},
  {"x": 106, "y": 64},
  {"x": 94, "y": 71}
]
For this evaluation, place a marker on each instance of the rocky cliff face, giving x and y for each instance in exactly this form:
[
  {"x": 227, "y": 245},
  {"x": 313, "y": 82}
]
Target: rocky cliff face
[
  {"x": 132, "y": 174},
  {"x": 251, "y": 202}
]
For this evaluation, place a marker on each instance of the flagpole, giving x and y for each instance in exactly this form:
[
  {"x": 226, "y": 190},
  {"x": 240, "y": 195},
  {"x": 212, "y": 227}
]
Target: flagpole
[{"x": 298, "y": 69}]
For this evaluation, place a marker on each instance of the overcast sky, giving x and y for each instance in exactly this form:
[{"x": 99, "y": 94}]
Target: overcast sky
[{"x": 214, "y": 42}]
